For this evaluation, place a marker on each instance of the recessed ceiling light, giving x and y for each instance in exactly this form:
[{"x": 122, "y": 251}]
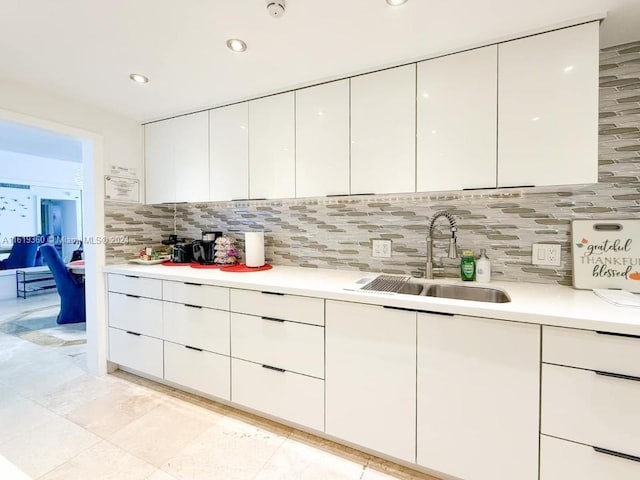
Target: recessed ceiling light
[
  {"x": 236, "y": 45},
  {"x": 396, "y": 3},
  {"x": 139, "y": 78}
]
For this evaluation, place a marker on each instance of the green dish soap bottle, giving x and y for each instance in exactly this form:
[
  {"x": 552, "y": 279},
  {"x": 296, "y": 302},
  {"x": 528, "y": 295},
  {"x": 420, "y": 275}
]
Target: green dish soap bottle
[{"x": 468, "y": 266}]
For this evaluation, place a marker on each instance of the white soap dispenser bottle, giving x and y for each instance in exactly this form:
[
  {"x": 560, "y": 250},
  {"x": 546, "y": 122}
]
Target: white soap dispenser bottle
[{"x": 483, "y": 268}]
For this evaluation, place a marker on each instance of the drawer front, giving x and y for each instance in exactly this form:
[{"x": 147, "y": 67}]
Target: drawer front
[
  {"x": 137, "y": 352},
  {"x": 283, "y": 307},
  {"x": 562, "y": 460},
  {"x": 591, "y": 350},
  {"x": 293, "y": 397},
  {"x": 585, "y": 407},
  {"x": 196, "y": 326},
  {"x": 143, "y": 287},
  {"x": 203, "y": 371},
  {"x": 196, "y": 294},
  {"x": 291, "y": 346},
  {"x": 136, "y": 314}
]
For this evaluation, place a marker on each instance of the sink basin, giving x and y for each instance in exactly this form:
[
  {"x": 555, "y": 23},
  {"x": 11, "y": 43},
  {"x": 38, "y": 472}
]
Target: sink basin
[
  {"x": 413, "y": 289},
  {"x": 458, "y": 292}
]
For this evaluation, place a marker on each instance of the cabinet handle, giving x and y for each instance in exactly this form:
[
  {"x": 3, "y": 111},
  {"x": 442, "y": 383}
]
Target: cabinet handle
[
  {"x": 270, "y": 319},
  {"x": 612, "y": 334},
  {"x": 617, "y": 375},
  {"x": 399, "y": 308},
  {"x": 193, "y": 348},
  {"x": 436, "y": 313},
  {"x": 132, "y": 296},
  {"x": 192, "y": 306},
  {"x": 193, "y": 284},
  {"x": 132, "y": 276},
  {"x": 276, "y": 369},
  {"x": 240, "y": 199},
  {"x": 337, "y": 195},
  {"x": 616, "y": 454},
  {"x": 273, "y": 293},
  {"x": 133, "y": 333}
]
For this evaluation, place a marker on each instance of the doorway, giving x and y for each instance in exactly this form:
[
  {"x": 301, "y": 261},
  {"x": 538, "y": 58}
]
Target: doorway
[{"x": 60, "y": 220}]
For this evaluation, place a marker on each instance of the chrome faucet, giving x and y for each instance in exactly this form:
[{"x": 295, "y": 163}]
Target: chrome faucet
[{"x": 429, "y": 268}]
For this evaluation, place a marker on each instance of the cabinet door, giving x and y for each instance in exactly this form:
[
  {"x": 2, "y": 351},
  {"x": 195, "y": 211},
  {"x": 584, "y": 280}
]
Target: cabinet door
[
  {"x": 548, "y": 108},
  {"x": 457, "y": 121},
  {"x": 272, "y": 147},
  {"x": 322, "y": 140},
  {"x": 383, "y": 131},
  {"x": 478, "y": 397},
  {"x": 191, "y": 154},
  {"x": 159, "y": 165},
  {"x": 229, "y": 152},
  {"x": 371, "y": 377}
]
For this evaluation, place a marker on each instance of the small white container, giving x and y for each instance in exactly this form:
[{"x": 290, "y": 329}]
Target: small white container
[{"x": 483, "y": 268}]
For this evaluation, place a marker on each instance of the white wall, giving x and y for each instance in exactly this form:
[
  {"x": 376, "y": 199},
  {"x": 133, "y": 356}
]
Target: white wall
[
  {"x": 31, "y": 170},
  {"x": 110, "y": 139}
]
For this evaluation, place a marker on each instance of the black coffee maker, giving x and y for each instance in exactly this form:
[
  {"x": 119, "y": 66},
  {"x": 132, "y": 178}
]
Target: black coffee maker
[
  {"x": 204, "y": 251},
  {"x": 182, "y": 252}
]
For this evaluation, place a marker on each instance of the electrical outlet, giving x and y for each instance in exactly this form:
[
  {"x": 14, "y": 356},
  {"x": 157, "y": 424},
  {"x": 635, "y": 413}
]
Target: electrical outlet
[
  {"x": 381, "y": 248},
  {"x": 545, "y": 254}
]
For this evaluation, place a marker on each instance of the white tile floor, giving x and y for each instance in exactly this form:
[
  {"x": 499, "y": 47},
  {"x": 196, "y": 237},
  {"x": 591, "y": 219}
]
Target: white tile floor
[{"x": 59, "y": 422}]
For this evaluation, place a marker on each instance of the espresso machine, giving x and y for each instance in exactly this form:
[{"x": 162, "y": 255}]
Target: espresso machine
[{"x": 204, "y": 251}]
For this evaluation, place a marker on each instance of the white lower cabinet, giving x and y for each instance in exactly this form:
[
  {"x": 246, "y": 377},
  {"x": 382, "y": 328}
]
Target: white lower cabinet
[
  {"x": 290, "y": 396},
  {"x": 601, "y": 409},
  {"x": 196, "y": 326},
  {"x": 295, "y": 347},
  {"x": 136, "y": 351},
  {"x": 197, "y": 369},
  {"x": 563, "y": 460},
  {"x": 371, "y": 377},
  {"x": 478, "y": 397},
  {"x": 136, "y": 314}
]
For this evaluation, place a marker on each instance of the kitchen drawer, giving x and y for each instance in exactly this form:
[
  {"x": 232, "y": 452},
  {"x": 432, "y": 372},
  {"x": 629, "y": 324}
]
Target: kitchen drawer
[
  {"x": 137, "y": 314},
  {"x": 591, "y": 350},
  {"x": 562, "y": 460},
  {"x": 291, "y": 346},
  {"x": 199, "y": 370},
  {"x": 597, "y": 410},
  {"x": 196, "y": 294},
  {"x": 283, "y": 307},
  {"x": 138, "y": 352},
  {"x": 196, "y": 326},
  {"x": 140, "y": 286},
  {"x": 296, "y": 398}
]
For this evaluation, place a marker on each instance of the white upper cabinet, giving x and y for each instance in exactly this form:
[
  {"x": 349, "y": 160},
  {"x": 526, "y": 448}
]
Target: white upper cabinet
[
  {"x": 383, "y": 130},
  {"x": 272, "y": 147},
  {"x": 159, "y": 165},
  {"x": 457, "y": 101},
  {"x": 478, "y": 397},
  {"x": 177, "y": 159},
  {"x": 322, "y": 140},
  {"x": 229, "y": 152},
  {"x": 548, "y": 108}
]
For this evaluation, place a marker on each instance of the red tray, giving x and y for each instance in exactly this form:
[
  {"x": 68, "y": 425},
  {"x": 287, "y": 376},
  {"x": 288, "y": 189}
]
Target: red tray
[
  {"x": 241, "y": 267},
  {"x": 174, "y": 264},
  {"x": 199, "y": 265}
]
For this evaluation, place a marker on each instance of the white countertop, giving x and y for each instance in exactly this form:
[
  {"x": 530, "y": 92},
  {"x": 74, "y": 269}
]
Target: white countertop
[{"x": 530, "y": 302}]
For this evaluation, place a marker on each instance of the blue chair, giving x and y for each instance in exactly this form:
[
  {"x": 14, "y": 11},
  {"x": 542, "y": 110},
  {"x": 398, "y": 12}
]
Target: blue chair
[
  {"x": 71, "y": 291},
  {"x": 23, "y": 254},
  {"x": 41, "y": 240}
]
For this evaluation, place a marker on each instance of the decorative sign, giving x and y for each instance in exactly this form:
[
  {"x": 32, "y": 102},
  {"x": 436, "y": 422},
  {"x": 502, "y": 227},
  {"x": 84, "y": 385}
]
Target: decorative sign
[
  {"x": 118, "y": 189},
  {"x": 606, "y": 254}
]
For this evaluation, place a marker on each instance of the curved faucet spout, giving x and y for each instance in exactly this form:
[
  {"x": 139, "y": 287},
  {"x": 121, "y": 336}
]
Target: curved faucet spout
[{"x": 453, "y": 253}]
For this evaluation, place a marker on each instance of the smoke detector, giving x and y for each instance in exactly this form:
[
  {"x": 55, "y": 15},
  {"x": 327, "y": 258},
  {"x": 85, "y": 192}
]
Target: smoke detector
[{"x": 276, "y": 8}]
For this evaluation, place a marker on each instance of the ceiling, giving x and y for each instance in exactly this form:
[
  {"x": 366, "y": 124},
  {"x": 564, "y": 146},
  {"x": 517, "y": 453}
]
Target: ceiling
[
  {"x": 20, "y": 138},
  {"x": 86, "y": 49}
]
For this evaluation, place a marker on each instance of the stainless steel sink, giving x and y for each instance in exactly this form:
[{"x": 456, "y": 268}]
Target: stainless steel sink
[
  {"x": 458, "y": 292},
  {"x": 403, "y": 285}
]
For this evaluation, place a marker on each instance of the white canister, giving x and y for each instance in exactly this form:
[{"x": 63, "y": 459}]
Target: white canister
[{"x": 254, "y": 249}]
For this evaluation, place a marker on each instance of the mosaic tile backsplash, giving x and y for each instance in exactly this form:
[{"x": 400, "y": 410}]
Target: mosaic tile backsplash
[{"x": 337, "y": 232}]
